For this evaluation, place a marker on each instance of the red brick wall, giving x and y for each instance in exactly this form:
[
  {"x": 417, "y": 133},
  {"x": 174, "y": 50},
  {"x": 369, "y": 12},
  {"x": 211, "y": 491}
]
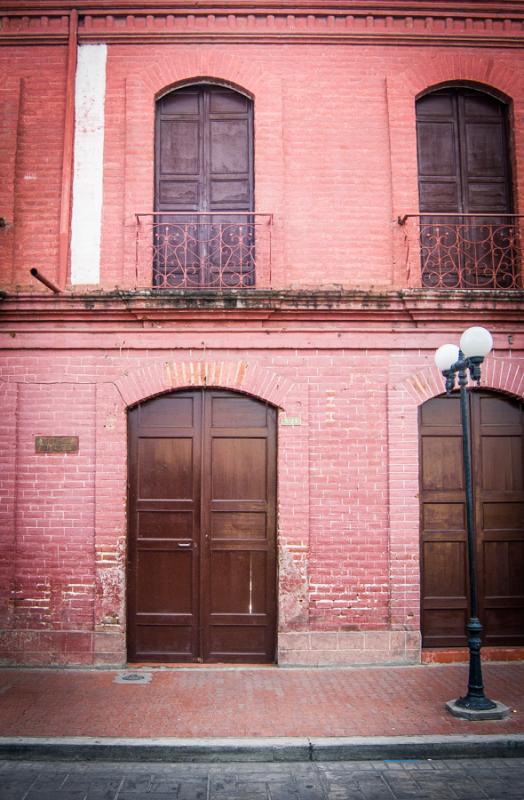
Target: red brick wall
[
  {"x": 335, "y": 151},
  {"x": 335, "y": 162},
  {"x": 347, "y": 492},
  {"x": 32, "y": 101}
]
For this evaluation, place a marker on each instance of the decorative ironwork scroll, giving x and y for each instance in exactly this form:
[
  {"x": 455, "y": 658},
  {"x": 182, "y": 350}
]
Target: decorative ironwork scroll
[
  {"x": 467, "y": 251},
  {"x": 199, "y": 250}
]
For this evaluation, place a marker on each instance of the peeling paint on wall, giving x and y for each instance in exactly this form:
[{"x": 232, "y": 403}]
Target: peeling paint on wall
[{"x": 88, "y": 164}]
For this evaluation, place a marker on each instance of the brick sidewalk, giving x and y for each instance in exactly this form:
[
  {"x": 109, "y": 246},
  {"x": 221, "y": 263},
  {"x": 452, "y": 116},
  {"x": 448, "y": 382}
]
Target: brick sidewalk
[{"x": 251, "y": 702}]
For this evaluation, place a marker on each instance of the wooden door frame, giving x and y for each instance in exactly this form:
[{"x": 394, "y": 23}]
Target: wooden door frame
[
  {"x": 200, "y": 589},
  {"x": 152, "y": 378}
]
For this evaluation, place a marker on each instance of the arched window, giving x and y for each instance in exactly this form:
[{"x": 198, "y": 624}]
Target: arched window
[
  {"x": 203, "y": 188},
  {"x": 468, "y": 233}
]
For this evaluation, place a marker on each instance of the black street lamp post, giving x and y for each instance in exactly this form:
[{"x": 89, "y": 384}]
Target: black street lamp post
[{"x": 453, "y": 361}]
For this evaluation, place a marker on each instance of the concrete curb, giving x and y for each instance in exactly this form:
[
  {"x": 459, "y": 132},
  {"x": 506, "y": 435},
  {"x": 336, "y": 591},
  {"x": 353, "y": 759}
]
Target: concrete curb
[{"x": 358, "y": 748}]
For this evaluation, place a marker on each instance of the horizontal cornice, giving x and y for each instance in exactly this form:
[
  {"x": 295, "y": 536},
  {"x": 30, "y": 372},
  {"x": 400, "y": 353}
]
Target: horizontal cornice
[
  {"x": 480, "y": 24},
  {"x": 409, "y": 305}
]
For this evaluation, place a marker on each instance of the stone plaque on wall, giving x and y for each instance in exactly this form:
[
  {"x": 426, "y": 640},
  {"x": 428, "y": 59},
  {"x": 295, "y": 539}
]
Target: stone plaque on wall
[{"x": 56, "y": 444}]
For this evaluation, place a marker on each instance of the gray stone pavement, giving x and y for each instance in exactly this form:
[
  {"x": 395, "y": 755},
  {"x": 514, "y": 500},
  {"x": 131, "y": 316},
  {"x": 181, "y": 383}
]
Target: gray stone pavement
[{"x": 424, "y": 779}]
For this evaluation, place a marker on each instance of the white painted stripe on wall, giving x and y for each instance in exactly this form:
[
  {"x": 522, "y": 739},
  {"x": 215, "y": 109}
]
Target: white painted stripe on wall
[{"x": 88, "y": 177}]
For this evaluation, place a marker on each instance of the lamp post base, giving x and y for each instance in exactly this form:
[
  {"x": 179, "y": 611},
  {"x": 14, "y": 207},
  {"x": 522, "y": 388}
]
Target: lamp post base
[{"x": 500, "y": 711}]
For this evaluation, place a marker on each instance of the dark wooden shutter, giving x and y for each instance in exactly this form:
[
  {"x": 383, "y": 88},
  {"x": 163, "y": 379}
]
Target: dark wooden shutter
[
  {"x": 464, "y": 169},
  {"x": 497, "y": 458},
  {"x": 202, "y": 526},
  {"x": 203, "y": 164}
]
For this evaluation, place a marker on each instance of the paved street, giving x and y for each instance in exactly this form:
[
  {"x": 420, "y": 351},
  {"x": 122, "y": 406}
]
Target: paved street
[{"x": 489, "y": 779}]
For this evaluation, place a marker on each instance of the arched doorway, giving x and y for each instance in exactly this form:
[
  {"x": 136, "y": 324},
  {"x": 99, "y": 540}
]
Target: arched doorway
[
  {"x": 497, "y": 425},
  {"x": 202, "y": 525}
]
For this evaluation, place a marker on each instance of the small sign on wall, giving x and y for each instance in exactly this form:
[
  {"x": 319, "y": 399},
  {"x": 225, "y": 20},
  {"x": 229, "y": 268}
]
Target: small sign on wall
[
  {"x": 290, "y": 421},
  {"x": 56, "y": 444}
]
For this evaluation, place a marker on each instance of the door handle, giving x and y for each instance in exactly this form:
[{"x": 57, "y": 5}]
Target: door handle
[{"x": 185, "y": 544}]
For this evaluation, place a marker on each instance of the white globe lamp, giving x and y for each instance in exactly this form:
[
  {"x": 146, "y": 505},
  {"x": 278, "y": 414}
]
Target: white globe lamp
[
  {"x": 476, "y": 342},
  {"x": 445, "y": 356}
]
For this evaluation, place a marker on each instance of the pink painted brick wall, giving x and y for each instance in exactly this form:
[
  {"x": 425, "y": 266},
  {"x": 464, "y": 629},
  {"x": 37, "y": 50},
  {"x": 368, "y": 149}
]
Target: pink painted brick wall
[
  {"x": 335, "y": 150},
  {"x": 347, "y": 490},
  {"x": 335, "y": 162},
  {"x": 31, "y": 125}
]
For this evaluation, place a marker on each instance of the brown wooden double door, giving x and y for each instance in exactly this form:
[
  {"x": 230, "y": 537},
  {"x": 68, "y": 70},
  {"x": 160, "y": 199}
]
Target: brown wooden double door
[
  {"x": 202, "y": 484},
  {"x": 497, "y": 424}
]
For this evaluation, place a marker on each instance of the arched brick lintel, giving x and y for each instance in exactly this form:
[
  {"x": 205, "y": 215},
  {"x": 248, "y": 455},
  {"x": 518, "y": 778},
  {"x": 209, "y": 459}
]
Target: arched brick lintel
[
  {"x": 240, "y": 376},
  {"x": 203, "y": 65},
  {"x": 500, "y": 374},
  {"x": 485, "y": 73},
  {"x": 404, "y": 400}
]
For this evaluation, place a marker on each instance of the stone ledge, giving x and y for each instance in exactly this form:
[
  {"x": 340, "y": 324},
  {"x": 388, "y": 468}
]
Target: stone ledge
[{"x": 345, "y": 648}]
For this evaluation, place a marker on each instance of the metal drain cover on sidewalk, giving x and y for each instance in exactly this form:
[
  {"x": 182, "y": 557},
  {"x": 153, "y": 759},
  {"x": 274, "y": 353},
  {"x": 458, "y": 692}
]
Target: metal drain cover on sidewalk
[{"x": 133, "y": 677}]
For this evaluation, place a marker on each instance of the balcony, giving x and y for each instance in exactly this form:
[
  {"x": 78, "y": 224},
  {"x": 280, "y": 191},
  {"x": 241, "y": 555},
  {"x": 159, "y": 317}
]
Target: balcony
[
  {"x": 201, "y": 250},
  {"x": 463, "y": 251}
]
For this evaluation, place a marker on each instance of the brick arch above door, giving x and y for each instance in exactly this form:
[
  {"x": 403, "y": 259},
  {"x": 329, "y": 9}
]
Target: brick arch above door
[
  {"x": 291, "y": 399},
  {"x": 241, "y": 376},
  {"x": 404, "y": 398}
]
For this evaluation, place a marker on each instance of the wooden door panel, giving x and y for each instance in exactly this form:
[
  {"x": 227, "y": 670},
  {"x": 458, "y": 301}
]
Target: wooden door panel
[
  {"x": 439, "y": 157},
  {"x": 164, "y": 522},
  {"x": 444, "y": 567},
  {"x": 443, "y": 517},
  {"x": 228, "y": 142},
  {"x": 485, "y": 151},
  {"x": 505, "y": 516},
  {"x": 442, "y": 463},
  {"x": 180, "y": 147},
  {"x": 497, "y": 457},
  {"x": 241, "y": 529},
  {"x": 501, "y": 463},
  {"x": 164, "y": 583},
  {"x": 231, "y": 525},
  {"x": 168, "y": 643},
  {"x": 202, "y": 573},
  {"x": 168, "y": 412},
  {"x": 238, "y": 469},
  {"x": 225, "y": 101},
  {"x": 238, "y": 582},
  {"x": 504, "y": 559},
  {"x": 238, "y": 643},
  {"x": 444, "y": 626},
  {"x": 165, "y": 468},
  {"x": 178, "y": 195},
  {"x": 494, "y": 411}
]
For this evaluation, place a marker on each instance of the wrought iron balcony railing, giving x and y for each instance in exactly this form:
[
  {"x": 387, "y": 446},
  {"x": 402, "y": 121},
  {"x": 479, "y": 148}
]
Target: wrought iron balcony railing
[
  {"x": 205, "y": 250},
  {"x": 464, "y": 251}
]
